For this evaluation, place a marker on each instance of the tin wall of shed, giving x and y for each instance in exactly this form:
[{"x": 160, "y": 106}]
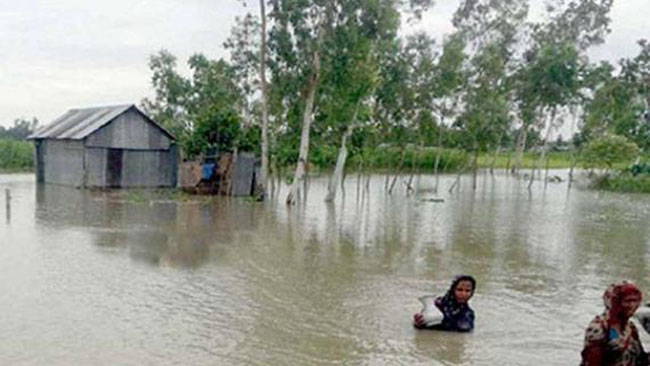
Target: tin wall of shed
[
  {"x": 96, "y": 167},
  {"x": 62, "y": 162},
  {"x": 148, "y": 169},
  {"x": 243, "y": 175},
  {"x": 130, "y": 130},
  {"x": 139, "y": 168}
]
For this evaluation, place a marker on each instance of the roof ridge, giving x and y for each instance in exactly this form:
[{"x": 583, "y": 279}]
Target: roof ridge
[{"x": 78, "y": 123}]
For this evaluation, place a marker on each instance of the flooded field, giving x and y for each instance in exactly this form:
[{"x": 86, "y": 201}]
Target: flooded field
[{"x": 156, "y": 278}]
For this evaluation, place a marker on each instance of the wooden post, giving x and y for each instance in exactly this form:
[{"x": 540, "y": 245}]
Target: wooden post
[{"x": 8, "y": 203}]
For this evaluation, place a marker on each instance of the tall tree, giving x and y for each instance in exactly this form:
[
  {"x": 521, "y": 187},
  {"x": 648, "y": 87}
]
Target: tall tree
[
  {"x": 300, "y": 31},
  {"x": 554, "y": 58},
  {"x": 449, "y": 79},
  {"x": 553, "y": 78},
  {"x": 486, "y": 116},
  {"x": 249, "y": 54},
  {"x": 297, "y": 36},
  {"x": 351, "y": 74},
  {"x": 204, "y": 111},
  {"x": 171, "y": 92},
  {"x": 619, "y": 103},
  {"x": 264, "y": 172}
]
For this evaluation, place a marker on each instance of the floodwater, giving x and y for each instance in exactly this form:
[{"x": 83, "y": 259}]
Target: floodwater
[{"x": 151, "y": 278}]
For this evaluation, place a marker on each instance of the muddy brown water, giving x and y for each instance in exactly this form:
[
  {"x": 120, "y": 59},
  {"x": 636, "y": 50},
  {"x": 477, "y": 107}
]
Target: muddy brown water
[{"x": 150, "y": 278}]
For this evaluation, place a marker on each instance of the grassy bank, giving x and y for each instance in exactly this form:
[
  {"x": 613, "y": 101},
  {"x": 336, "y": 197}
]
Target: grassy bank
[
  {"x": 16, "y": 156},
  {"x": 424, "y": 159},
  {"x": 451, "y": 159},
  {"x": 556, "y": 160},
  {"x": 323, "y": 159}
]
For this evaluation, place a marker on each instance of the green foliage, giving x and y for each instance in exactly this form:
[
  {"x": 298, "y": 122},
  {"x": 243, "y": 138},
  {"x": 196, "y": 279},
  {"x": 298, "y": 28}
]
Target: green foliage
[
  {"x": 16, "y": 155},
  {"x": 205, "y": 111},
  {"x": 552, "y": 78},
  {"x": 378, "y": 87},
  {"x": 485, "y": 119},
  {"x": 449, "y": 73},
  {"x": 214, "y": 128},
  {"x": 323, "y": 156},
  {"x": 213, "y": 106},
  {"x": 581, "y": 23},
  {"x": 171, "y": 93},
  {"x": 620, "y": 102},
  {"x": 608, "y": 150},
  {"x": 640, "y": 169}
]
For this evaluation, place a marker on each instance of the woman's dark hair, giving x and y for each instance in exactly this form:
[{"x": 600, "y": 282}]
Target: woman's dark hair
[{"x": 460, "y": 278}]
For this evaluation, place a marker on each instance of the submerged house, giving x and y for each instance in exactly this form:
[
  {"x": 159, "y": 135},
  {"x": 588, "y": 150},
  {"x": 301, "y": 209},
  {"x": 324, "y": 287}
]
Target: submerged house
[{"x": 115, "y": 146}]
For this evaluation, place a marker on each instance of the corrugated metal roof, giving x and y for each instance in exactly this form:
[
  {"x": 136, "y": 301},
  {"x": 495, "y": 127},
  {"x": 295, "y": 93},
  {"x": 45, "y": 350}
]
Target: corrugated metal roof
[{"x": 77, "y": 124}]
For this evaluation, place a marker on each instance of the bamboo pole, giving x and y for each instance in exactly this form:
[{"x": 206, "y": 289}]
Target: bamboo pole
[{"x": 8, "y": 203}]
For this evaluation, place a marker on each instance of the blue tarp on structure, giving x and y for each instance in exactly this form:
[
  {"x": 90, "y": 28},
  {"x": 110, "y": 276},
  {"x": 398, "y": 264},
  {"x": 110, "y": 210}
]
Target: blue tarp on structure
[{"x": 208, "y": 170}]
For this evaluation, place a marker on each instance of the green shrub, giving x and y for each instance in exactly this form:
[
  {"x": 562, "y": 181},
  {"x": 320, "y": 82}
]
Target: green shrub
[
  {"x": 323, "y": 156},
  {"x": 16, "y": 155},
  {"x": 607, "y": 150}
]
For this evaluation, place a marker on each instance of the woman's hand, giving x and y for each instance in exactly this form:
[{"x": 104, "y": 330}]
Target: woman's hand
[{"x": 418, "y": 320}]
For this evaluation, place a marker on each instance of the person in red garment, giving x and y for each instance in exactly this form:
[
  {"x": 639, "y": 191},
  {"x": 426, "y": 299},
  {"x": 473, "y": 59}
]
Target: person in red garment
[{"x": 611, "y": 339}]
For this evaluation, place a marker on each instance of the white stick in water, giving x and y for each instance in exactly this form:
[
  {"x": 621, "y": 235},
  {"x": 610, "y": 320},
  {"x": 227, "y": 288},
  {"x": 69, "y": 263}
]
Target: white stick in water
[{"x": 430, "y": 312}]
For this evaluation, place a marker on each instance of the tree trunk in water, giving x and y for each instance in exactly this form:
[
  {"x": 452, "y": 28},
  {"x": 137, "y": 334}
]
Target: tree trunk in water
[
  {"x": 438, "y": 154},
  {"x": 264, "y": 171},
  {"x": 235, "y": 153},
  {"x": 494, "y": 160},
  {"x": 337, "y": 178},
  {"x": 271, "y": 178},
  {"x": 415, "y": 170},
  {"x": 399, "y": 170},
  {"x": 461, "y": 170},
  {"x": 359, "y": 177},
  {"x": 301, "y": 167},
  {"x": 521, "y": 146},
  {"x": 475, "y": 168},
  {"x": 547, "y": 161},
  {"x": 541, "y": 158},
  {"x": 573, "y": 165},
  {"x": 508, "y": 161}
]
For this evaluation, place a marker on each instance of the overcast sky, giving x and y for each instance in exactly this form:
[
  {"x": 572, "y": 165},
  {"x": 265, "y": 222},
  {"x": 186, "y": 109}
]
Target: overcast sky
[{"x": 60, "y": 54}]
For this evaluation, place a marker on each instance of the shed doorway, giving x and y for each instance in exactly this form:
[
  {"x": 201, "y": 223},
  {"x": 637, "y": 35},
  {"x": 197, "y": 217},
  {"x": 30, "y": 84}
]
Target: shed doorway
[{"x": 114, "y": 167}]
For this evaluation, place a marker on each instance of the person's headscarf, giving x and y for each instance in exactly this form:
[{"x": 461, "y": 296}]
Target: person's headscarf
[
  {"x": 448, "y": 303},
  {"x": 613, "y": 297}
]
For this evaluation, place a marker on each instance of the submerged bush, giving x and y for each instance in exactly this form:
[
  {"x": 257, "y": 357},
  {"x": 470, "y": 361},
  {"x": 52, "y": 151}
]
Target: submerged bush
[{"x": 624, "y": 182}]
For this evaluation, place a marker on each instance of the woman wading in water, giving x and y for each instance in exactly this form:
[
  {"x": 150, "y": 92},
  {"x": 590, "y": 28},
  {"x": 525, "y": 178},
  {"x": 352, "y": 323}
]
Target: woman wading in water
[
  {"x": 611, "y": 339},
  {"x": 458, "y": 316}
]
